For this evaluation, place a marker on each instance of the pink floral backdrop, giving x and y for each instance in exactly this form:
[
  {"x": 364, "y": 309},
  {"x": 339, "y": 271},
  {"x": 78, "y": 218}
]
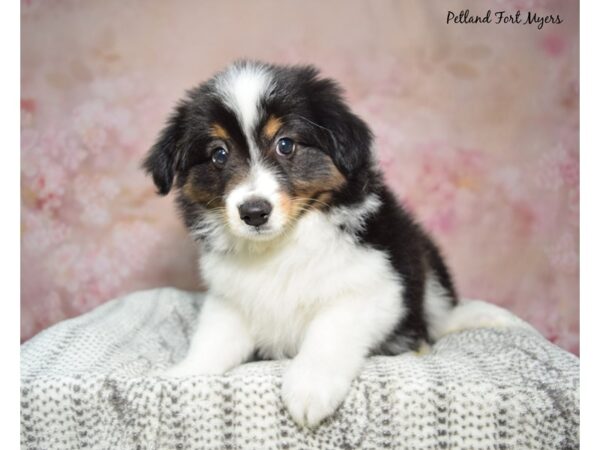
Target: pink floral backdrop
[{"x": 477, "y": 132}]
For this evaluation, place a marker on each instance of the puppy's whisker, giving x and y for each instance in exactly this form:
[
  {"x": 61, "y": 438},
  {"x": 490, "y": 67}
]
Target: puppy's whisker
[
  {"x": 213, "y": 199},
  {"x": 305, "y": 119},
  {"x": 311, "y": 200}
]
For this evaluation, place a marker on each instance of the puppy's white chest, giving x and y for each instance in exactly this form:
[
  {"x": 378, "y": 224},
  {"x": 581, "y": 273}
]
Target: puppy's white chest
[{"x": 278, "y": 291}]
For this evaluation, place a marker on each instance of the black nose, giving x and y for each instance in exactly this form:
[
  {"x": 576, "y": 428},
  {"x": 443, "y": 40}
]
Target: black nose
[{"x": 255, "y": 212}]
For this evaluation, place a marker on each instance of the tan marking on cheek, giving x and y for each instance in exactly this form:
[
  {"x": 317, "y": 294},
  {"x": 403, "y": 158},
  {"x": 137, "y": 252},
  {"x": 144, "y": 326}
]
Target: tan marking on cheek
[
  {"x": 291, "y": 207},
  {"x": 323, "y": 199},
  {"x": 191, "y": 192},
  {"x": 335, "y": 180},
  {"x": 311, "y": 194},
  {"x": 217, "y": 131},
  {"x": 320, "y": 188},
  {"x": 286, "y": 204},
  {"x": 272, "y": 127}
]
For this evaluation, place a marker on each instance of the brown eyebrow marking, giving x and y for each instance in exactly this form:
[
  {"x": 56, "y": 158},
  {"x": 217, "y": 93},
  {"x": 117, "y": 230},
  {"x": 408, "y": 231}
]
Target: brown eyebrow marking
[
  {"x": 219, "y": 132},
  {"x": 272, "y": 126}
]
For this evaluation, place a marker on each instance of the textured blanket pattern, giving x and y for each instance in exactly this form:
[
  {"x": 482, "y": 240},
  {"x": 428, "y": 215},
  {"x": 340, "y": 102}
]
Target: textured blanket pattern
[{"x": 94, "y": 382}]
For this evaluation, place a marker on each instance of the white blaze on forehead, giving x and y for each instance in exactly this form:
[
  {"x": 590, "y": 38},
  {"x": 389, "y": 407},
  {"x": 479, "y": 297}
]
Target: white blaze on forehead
[
  {"x": 242, "y": 87},
  {"x": 261, "y": 182}
]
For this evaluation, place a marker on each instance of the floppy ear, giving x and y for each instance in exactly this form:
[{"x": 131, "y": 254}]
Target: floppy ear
[
  {"x": 349, "y": 136},
  {"x": 164, "y": 156},
  {"x": 352, "y": 142}
]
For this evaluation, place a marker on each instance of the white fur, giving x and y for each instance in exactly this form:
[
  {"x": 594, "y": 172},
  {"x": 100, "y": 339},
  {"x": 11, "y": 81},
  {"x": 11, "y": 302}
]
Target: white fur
[
  {"x": 354, "y": 218},
  {"x": 313, "y": 294},
  {"x": 260, "y": 183},
  {"x": 280, "y": 289},
  {"x": 471, "y": 314},
  {"x": 437, "y": 306},
  {"x": 221, "y": 338},
  {"x": 242, "y": 87}
]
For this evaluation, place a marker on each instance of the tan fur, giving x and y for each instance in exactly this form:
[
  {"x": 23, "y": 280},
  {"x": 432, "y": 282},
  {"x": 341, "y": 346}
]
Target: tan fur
[
  {"x": 287, "y": 204},
  {"x": 199, "y": 196},
  {"x": 217, "y": 131},
  {"x": 314, "y": 194},
  {"x": 309, "y": 188},
  {"x": 272, "y": 127}
]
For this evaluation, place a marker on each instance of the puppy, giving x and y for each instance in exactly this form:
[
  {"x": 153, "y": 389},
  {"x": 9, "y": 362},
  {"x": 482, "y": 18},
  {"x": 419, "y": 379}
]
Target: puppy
[{"x": 305, "y": 252}]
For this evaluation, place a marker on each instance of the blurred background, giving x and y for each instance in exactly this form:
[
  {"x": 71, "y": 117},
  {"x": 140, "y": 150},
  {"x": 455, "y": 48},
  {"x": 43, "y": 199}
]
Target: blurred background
[{"x": 477, "y": 132}]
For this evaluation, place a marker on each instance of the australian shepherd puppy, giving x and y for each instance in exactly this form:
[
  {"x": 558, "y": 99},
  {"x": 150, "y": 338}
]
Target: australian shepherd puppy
[{"x": 306, "y": 253}]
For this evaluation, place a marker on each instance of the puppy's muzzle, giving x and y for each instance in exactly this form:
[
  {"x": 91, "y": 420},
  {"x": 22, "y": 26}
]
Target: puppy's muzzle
[{"x": 255, "y": 212}]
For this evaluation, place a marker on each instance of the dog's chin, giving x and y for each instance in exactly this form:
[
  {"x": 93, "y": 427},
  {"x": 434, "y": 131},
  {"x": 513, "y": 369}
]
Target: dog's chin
[{"x": 256, "y": 234}]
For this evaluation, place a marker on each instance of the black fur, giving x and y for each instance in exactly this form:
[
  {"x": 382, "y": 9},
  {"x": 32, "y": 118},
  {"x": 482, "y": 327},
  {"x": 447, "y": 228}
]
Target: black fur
[
  {"x": 161, "y": 161},
  {"x": 413, "y": 254}
]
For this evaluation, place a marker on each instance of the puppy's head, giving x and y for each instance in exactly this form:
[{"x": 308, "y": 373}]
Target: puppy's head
[{"x": 257, "y": 146}]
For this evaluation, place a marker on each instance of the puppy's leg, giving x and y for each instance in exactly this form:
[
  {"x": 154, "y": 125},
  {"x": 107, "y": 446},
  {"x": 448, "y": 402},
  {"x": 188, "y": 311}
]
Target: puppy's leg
[
  {"x": 221, "y": 341},
  {"x": 335, "y": 346}
]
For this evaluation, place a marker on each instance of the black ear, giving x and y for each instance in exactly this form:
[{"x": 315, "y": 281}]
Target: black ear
[
  {"x": 349, "y": 136},
  {"x": 352, "y": 142},
  {"x": 164, "y": 156}
]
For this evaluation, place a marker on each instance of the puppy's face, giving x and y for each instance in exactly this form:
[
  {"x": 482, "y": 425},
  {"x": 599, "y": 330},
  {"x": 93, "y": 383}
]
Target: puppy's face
[{"x": 256, "y": 146}]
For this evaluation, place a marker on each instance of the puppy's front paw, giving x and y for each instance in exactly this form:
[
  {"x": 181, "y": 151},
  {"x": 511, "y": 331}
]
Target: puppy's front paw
[{"x": 312, "y": 393}]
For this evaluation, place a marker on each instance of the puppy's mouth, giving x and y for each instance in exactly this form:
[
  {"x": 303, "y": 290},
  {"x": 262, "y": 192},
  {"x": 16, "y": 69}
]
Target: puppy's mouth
[
  {"x": 257, "y": 233},
  {"x": 260, "y": 233}
]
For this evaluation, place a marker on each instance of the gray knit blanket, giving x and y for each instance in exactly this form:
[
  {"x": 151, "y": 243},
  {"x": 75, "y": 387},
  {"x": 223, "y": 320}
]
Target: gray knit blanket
[{"x": 92, "y": 383}]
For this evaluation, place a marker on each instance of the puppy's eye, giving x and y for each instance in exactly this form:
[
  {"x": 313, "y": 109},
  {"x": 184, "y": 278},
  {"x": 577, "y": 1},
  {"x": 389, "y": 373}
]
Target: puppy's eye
[
  {"x": 220, "y": 156},
  {"x": 285, "y": 146}
]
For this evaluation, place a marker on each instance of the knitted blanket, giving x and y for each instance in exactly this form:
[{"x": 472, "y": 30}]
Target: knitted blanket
[{"x": 91, "y": 382}]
